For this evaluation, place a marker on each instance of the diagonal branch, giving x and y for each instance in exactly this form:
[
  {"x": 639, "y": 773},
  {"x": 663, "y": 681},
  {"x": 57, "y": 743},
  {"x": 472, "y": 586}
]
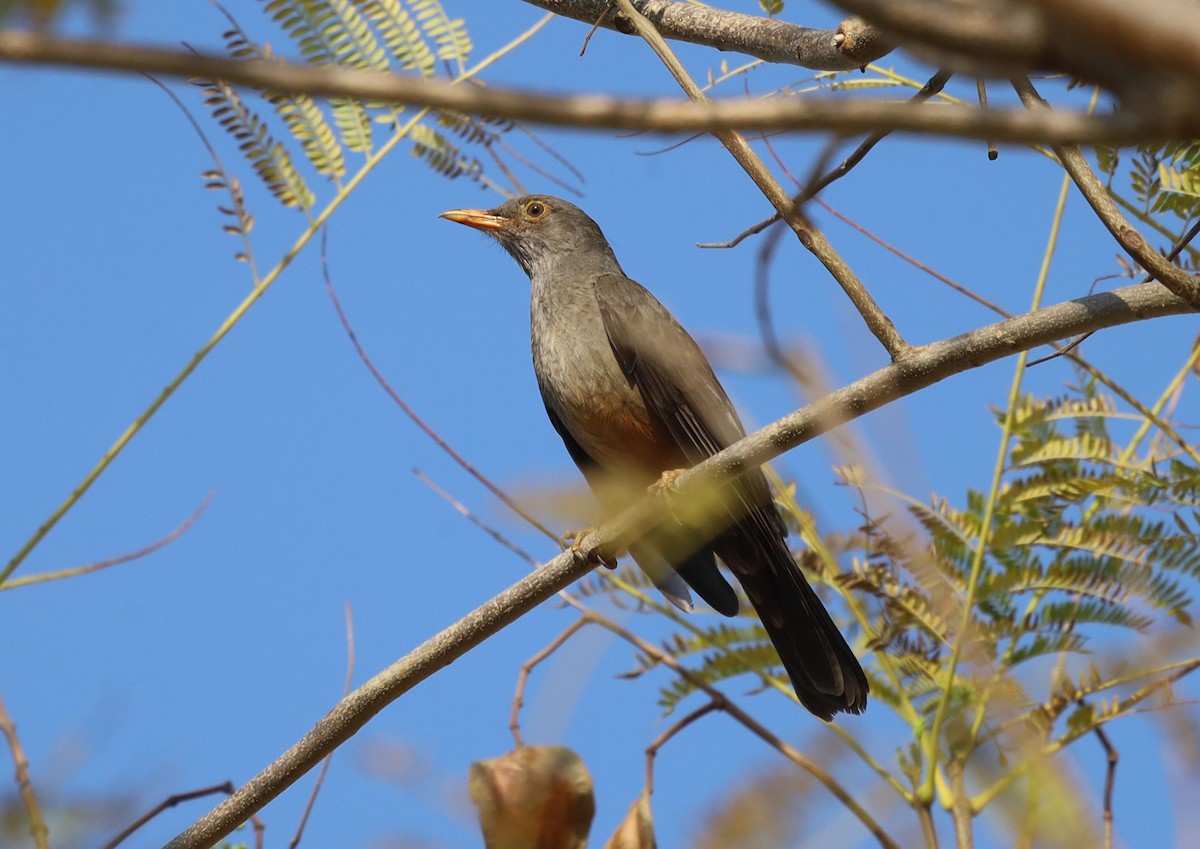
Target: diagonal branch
[
  {"x": 811, "y": 237},
  {"x": 925, "y": 366},
  {"x": 1134, "y": 243}
]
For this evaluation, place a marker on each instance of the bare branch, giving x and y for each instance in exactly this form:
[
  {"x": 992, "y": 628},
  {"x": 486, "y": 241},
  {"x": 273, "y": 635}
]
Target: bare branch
[
  {"x": 811, "y": 237},
  {"x": 145, "y": 551},
  {"x": 926, "y": 366},
  {"x": 602, "y": 111},
  {"x": 37, "y": 823},
  {"x": 853, "y": 44},
  {"x": 514, "y": 716},
  {"x": 661, "y": 739},
  {"x": 1111, "y": 757},
  {"x": 170, "y": 802}
]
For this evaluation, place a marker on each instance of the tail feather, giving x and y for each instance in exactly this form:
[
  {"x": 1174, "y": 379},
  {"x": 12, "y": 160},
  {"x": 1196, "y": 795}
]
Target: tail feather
[{"x": 825, "y": 673}]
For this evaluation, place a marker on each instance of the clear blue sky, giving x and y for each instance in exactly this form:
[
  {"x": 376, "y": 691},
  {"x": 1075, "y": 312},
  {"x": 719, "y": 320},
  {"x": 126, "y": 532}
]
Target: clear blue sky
[{"x": 205, "y": 661}]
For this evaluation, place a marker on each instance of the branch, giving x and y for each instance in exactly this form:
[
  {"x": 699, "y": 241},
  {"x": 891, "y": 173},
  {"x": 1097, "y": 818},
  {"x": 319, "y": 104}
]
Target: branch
[
  {"x": 853, "y": 44},
  {"x": 1134, "y": 243},
  {"x": 811, "y": 237},
  {"x": 33, "y": 811},
  {"x": 1146, "y": 52},
  {"x": 603, "y": 111},
  {"x": 925, "y": 366}
]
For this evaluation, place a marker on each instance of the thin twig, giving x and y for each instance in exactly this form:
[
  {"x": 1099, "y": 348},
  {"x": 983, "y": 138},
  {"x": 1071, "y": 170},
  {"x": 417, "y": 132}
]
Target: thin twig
[
  {"x": 746, "y": 720},
  {"x": 475, "y": 520},
  {"x": 514, "y": 717},
  {"x": 37, "y": 823},
  {"x": 928, "y": 827},
  {"x": 981, "y": 90},
  {"x": 811, "y": 237},
  {"x": 960, "y": 807},
  {"x": 661, "y": 739},
  {"x": 229, "y": 181},
  {"x": 1131, "y": 241},
  {"x": 608, "y": 9},
  {"x": 170, "y": 802},
  {"x": 75, "y": 571},
  {"x": 1111, "y": 756},
  {"x": 935, "y": 84},
  {"x": 410, "y": 412}
]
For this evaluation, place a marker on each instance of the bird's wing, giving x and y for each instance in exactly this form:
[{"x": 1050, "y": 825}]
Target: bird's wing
[
  {"x": 675, "y": 379},
  {"x": 669, "y": 583},
  {"x": 680, "y": 390}
]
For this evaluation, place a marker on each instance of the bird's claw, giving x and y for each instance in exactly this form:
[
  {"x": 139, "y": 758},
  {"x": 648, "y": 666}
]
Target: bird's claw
[
  {"x": 574, "y": 539},
  {"x": 666, "y": 483}
]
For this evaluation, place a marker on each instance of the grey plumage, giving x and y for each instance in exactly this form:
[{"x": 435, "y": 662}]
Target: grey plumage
[{"x": 632, "y": 395}]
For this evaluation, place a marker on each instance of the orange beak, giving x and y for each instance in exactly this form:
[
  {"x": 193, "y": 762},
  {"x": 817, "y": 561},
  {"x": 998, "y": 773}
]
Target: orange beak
[{"x": 477, "y": 218}]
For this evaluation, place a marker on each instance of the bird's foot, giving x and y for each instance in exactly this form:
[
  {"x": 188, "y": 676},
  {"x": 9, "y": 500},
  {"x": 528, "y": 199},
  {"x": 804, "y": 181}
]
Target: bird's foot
[
  {"x": 574, "y": 539},
  {"x": 666, "y": 483},
  {"x": 665, "y": 487}
]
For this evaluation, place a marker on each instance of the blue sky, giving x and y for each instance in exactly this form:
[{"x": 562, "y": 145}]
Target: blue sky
[{"x": 206, "y": 660}]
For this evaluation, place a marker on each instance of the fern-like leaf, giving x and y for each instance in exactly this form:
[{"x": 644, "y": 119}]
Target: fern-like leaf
[{"x": 268, "y": 157}]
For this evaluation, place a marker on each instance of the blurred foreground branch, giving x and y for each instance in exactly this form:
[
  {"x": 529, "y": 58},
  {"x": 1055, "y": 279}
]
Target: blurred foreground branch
[{"x": 605, "y": 111}]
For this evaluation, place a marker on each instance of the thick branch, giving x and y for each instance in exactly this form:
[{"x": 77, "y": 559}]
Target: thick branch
[
  {"x": 924, "y": 367},
  {"x": 852, "y": 45},
  {"x": 603, "y": 111}
]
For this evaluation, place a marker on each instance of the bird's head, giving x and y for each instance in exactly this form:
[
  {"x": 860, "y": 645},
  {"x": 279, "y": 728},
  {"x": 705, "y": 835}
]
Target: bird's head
[{"x": 541, "y": 231}]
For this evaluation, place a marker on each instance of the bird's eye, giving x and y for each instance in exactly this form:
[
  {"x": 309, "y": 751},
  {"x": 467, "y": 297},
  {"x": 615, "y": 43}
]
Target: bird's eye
[{"x": 535, "y": 209}]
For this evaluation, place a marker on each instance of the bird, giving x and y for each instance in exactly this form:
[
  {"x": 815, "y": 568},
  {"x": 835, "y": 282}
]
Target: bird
[{"x": 636, "y": 401}]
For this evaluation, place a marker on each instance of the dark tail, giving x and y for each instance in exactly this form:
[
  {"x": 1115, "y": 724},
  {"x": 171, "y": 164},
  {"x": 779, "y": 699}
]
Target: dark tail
[{"x": 824, "y": 671}]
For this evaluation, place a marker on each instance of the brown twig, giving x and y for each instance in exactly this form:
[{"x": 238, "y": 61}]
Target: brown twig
[
  {"x": 928, "y": 828},
  {"x": 467, "y": 514},
  {"x": 165, "y": 804},
  {"x": 811, "y": 189},
  {"x": 1152, "y": 59},
  {"x": 514, "y": 718},
  {"x": 721, "y": 702},
  {"x": 75, "y": 571},
  {"x": 1111, "y": 756},
  {"x": 37, "y": 823},
  {"x": 1131, "y": 241},
  {"x": 981, "y": 91},
  {"x": 661, "y": 739},
  {"x": 596, "y": 24},
  {"x": 811, "y": 237},
  {"x": 410, "y": 412},
  {"x": 935, "y": 84}
]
